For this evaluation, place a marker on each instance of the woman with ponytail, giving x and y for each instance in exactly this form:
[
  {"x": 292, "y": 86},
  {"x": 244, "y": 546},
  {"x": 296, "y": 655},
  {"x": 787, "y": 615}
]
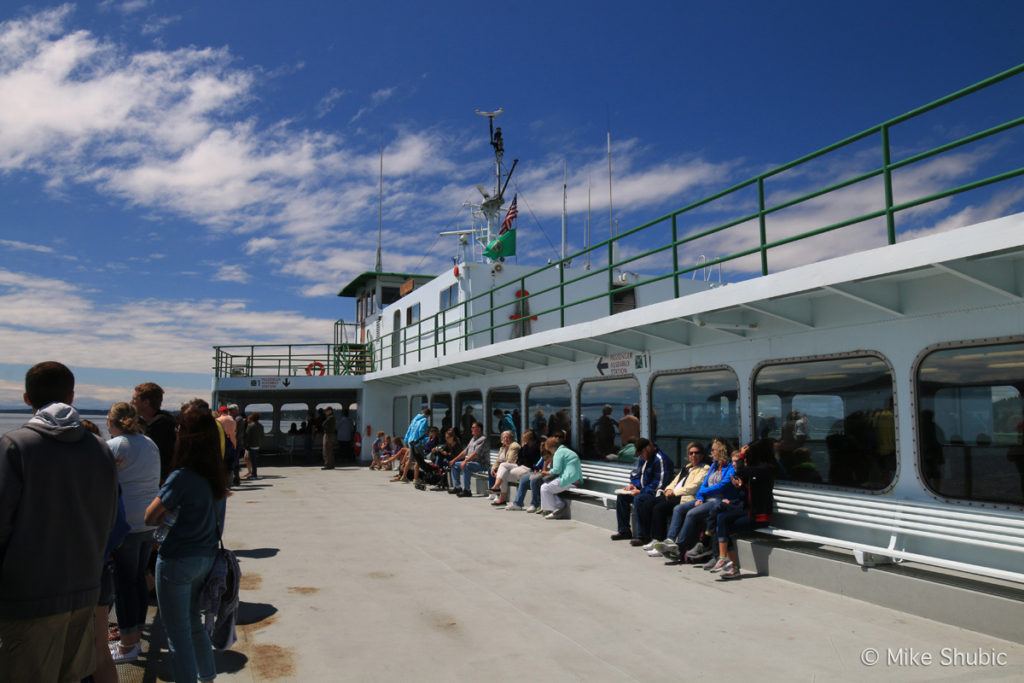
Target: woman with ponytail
[
  {"x": 190, "y": 508},
  {"x": 138, "y": 472}
]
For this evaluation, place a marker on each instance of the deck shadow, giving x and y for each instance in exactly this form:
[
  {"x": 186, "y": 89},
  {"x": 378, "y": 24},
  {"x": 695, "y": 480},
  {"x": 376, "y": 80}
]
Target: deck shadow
[{"x": 257, "y": 553}]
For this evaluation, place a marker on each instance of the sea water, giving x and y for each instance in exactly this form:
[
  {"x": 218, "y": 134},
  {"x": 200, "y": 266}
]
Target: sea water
[{"x": 9, "y": 421}]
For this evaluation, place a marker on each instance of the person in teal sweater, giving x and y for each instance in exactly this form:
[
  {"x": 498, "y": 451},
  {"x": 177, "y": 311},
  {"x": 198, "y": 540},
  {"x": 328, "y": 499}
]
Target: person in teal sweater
[{"x": 565, "y": 472}]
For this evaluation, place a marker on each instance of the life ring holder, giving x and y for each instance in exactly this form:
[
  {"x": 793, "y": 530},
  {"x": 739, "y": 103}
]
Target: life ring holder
[{"x": 314, "y": 367}]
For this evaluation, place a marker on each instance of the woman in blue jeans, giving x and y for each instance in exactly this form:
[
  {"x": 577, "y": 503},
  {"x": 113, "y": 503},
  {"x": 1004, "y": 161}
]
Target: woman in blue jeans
[{"x": 188, "y": 508}]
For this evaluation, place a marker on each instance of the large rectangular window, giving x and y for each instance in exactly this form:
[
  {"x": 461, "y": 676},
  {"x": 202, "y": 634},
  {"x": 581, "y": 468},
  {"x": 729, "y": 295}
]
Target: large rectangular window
[
  {"x": 399, "y": 415},
  {"x": 502, "y": 408},
  {"x": 970, "y": 422},
  {"x": 416, "y": 404},
  {"x": 695, "y": 406},
  {"x": 547, "y": 410},
  {"x": 470, "y": 409},
  {"x": 449, "y": 297},
  {"x": 441, "y": 412},
  {"x": 832, "y": 420},
  {"x": 602, "y": 404}
]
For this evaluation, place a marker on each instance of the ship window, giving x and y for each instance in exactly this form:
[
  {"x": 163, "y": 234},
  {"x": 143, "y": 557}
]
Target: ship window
[
  {"x": 412, "y": 314},
  {"x": 601, "y": 405},
  {"x": 294, "y": 414},
  {"x": 441, "y": 412},
  {"x": 470, "y": 409},
  {"x": 389, "y": 295},
  {"x": 449, "y": 297},
  {"x": 623, "y": 300},
  {"x": 266, "y": 412},
  {"x": 970, "y": 423},
  {"x": 399, "y": 416},
  {"x": 693, "y": 406},
  {"x": 548, "y": 407},
  {"x": 416, "y": 403},
  {"x": 507, "y": 401},
  {"x": 830, "y": 421}
]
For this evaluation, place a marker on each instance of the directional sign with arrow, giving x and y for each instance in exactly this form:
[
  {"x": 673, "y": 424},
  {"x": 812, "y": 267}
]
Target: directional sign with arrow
[
  {"x": 287, "y": 382},
  {"x": 602, "y": 365}
]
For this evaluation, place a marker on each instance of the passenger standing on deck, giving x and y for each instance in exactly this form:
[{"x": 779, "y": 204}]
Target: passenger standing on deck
[
  {"x": 330, "y": 427},
  {"x": 138, "y": 472},
  {"x": 230, "y": 427},
  {"x": 466, "y": 424},
  {"x": 189, "y": 510},
  {"x": 346, "y": 430},
  {"x": 253, "y": 442},
  {"x": 159, "y": 424},
  {"x": 565, "y": 473},
  {"x": 604, "y": 433},
  {"x": 50, "y": 581},
  {"x": 415, "y": 438},
  {"x": 239, "y": 435},
  {"x": 473, "y": 458}
]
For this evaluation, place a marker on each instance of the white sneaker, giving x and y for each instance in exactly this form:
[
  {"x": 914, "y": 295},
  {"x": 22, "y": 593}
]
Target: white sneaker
[
  {"x": 513, "y": 507},
  {"x": 650, "y": 546},
  {"x": 123, "y": 657},
  {"x": 654, "y": 553},
  {"x": 532, "y": 508},
  {"x": 493, "y": 497}
]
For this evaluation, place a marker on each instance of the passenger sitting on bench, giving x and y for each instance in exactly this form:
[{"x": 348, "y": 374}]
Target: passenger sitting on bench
[
  {"x": 565, "y": 473},
  {"x": 753, "y": 511},
  {"x": 473, "y": 458},
  {"x": 376, "y": 451},
  {"x": 681, "y": 491},
  {"x": 397, "y": 457},
  {"x": 508, "y": 460},
  {"x": 443, "y": 453},
  {"x": 415, "y": 460},
  {"x": 652, "y": 472},
  {"x": 688, "y": 520},
  {"x": 533, "y": 476}
]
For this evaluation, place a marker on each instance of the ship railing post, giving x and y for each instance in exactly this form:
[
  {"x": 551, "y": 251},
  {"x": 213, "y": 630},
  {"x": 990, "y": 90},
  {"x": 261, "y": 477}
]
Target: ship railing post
[
  {"x": 890, "y": 217},
  {"x": 762, "y": 225},
  {"x": 252, "y": 360},
  {"x": 291, "y": 369},
  {"x": 490, "y": 310},
  {"x": 419, "y": 341}
]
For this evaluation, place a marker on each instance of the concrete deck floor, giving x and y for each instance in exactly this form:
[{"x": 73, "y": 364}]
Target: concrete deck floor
[{"x": 351, "y": 578}]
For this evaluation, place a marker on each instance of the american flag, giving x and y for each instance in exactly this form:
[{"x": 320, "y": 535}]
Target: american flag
[{"x": 513, "y": 212}]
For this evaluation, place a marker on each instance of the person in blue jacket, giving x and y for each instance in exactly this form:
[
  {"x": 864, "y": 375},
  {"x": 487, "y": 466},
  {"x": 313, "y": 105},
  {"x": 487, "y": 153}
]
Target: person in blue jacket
[{"x": 653, "y": 471}]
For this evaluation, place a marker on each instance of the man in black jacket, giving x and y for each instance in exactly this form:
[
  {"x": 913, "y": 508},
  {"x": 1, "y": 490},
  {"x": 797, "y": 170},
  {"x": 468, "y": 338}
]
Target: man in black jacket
[
  {"x": 159, "y": 424},
  {"x": 58, "y": 504}
]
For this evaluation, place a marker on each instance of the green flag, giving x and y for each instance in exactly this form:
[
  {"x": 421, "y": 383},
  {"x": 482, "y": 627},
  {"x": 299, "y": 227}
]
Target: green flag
[{"x": 503, "y": 247}]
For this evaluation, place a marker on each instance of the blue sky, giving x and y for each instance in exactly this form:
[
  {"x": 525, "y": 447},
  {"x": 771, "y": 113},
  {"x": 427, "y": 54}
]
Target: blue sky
[{"x": 176, "y": 175}]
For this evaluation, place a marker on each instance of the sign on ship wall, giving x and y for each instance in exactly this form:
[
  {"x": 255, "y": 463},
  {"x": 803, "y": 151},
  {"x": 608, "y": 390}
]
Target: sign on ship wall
[{"x": 625, "y": 363}]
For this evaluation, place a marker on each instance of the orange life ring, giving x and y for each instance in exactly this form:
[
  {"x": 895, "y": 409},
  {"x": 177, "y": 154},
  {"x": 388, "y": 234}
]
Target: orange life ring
[{"x": 314, "y": 366}]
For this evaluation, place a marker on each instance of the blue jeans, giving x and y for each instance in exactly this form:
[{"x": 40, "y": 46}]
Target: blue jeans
[
  {"x": 696, "y": 516},
  {"x": 529, "y": 482},
  {"x": 178, "y": 583},
  {"x": 678, "y": 514},
  {"x": 131, "y": 594},
  {"x": 463, "y": 471}
]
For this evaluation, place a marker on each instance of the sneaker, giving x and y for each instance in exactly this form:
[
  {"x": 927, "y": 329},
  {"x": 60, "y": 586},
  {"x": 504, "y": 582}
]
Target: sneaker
[
  {"x": 637, "y": 542},
  {"x": 650, "y": 546},
  {"x": 437, "y": 488},
  {"x": 493, "y": 497},
  {"x": 544, "y": 513},
  {"x": 710, "y": 564},
  {"x": 701, "y": 559},
  {"x": 560, "y": 513},
  {"x": 129, "y": 655},
  {"x": 464, "y": 494},
  {"x": 498, "y": 501},
  {"x": 654, "y": 553},
  {"x": 513, "y": 507},
  {"x": 665, "y": 547},
  {"x": 623, "y": 536},
  {"x": 531, "y": 509},
  {"x": 730, "y": 572},
  {"x": 696, "y": 551},
  {"x": 671, "y": 552},
  {"x": 723, "y": 563},
  {"x": 455, "y": 491}
]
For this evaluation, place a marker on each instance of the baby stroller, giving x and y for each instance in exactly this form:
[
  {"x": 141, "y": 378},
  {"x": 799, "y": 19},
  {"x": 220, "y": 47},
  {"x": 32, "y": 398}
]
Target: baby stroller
[{"x": 431, "y": 474}]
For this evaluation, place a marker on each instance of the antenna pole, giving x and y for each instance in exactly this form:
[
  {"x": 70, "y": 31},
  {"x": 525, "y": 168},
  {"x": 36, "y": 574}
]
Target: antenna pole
[
  {"x": 380, "y": 212},
  {"x": 586, "y": 234},
  {"x": 611, "y": 225},
  {"x": 565, "y": 212}
]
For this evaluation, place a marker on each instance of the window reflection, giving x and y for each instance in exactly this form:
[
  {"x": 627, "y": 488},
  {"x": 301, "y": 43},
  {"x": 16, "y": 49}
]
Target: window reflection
[
  {"x": 441, "y": 411},
  {"x": 831, "y": 421},
  {"x": 971, "y": 422},
  {"x": 695, "y": 406},
  {"x": 547, "y": 409},
  {"x": 470, "y": 409},
  {"x": 506, "y": 401},
  {"x": 399, "y": 415},
  {"x": 603, "y": 404}
]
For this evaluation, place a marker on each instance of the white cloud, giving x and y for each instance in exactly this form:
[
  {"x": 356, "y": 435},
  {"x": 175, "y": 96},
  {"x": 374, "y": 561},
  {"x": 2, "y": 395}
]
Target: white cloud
[
  {"x": 155, "y": 25},
  {"x": 15, "y": 245},
  {"x": 258, "y": 244},
  {"x": 377, "y": 98},
  {"x": 230, "y": 273},
  {"x": 326, "y": 104},
  {"x": 125, "y": 6}
]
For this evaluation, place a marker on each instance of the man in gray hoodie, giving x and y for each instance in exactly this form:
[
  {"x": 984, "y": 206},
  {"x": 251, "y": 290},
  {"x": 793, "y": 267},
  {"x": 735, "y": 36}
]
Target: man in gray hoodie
[{"x": 58, "y": 503}]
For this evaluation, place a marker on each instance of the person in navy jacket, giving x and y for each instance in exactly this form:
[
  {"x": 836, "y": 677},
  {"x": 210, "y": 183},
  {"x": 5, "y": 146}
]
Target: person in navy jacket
[{"x": 653, "y": 471}]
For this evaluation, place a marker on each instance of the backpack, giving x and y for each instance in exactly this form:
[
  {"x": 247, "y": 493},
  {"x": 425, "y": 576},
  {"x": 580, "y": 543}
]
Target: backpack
[{"x": 218, "y": 599}]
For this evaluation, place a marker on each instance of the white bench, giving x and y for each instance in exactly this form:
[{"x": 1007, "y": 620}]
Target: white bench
[{"x": 604, "y": 473}]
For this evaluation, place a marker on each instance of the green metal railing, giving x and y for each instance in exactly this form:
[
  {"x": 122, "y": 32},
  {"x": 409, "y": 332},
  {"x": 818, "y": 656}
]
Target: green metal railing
[
  {"x": 290, "y": 360},
  {"x": 413, "y": 343}
]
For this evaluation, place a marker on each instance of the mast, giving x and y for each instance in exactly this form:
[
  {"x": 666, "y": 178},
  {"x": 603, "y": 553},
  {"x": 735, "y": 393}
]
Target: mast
[
  {"x": 611, "y": 225},
  {"x": 565, "y": 212},
  {"x": 380, "y": 213},
  {"x": 586, "y": 233}
]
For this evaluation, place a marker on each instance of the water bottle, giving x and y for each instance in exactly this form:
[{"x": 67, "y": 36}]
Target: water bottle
[{"x": 165, "y": 526}]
